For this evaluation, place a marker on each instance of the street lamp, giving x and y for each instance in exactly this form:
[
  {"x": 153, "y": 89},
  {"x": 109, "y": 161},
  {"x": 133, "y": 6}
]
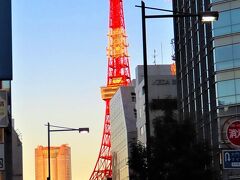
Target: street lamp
[
  {"x": 208, "y": 16},
  {"x": 57, "y": 129},
  {"x": 204, "y": 17}
]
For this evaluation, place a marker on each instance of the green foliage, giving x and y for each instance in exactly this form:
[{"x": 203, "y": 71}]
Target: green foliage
[
  {"x": 175, "y": 152},
  {"x": 138, "y": 161}
]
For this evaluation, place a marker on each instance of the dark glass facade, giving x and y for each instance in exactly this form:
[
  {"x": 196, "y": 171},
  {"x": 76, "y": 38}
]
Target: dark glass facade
[
  {"x": 208, "y": 73},
  {"x": 195, "y": 67},
  {"x": 195, "y": 72}
]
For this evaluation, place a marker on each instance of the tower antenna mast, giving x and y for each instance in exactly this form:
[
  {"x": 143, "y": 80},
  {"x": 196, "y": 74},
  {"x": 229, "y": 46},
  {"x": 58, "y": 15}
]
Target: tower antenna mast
[{"x": 118, "y": 74}]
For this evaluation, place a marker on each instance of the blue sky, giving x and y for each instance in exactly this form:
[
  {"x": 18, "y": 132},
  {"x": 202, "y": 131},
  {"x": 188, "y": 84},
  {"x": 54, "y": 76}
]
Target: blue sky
[{"x": 59, "y": 61}]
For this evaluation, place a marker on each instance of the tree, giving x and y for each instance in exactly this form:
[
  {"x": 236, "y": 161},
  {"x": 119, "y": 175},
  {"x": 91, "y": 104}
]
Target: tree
[
  {"x": 175, "y": 151},
  {"x": 177, "y": 154},
  {"x": 137, "y": 162}
]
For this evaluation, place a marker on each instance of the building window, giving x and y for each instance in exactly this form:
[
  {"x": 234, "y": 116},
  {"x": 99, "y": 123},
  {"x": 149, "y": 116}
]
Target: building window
[
  {"x": 226, "y": 100},
  {"x": 133, "y": 95},
  {"x": 135, "y": 113},
  {"x": 226, "y": 88},
  {"x": 237, "y": 83},
  {"x": 228, "y": 92},
  {"x": 228, "y": 23},
  {"x": 143, "y": 90},
  {"x": 223, "y": 53},
  {"x": 142, "y": 130},
  {"x": 227, "y": 57},
  {"x": 238, "y": 99}
]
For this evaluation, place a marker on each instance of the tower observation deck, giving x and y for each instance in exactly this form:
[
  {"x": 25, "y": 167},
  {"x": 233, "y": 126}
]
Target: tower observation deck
[{"x": 118, "y": 74}]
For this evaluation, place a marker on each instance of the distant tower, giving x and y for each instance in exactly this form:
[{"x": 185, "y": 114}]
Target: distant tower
[
  {"x": 60, "y": 163},
  {"x": 118, "y": 74}
]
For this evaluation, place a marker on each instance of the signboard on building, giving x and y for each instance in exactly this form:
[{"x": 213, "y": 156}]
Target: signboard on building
[
  {"x": 231, "y": 159},
  {"x": 3, "y": 109},
  {"x": 5, "y": 40},
  {"x": 233, "y": 133}
]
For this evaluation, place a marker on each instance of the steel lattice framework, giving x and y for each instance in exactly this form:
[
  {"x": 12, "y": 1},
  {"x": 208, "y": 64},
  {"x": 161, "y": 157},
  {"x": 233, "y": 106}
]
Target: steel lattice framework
[{"x": 118, "y": 74}]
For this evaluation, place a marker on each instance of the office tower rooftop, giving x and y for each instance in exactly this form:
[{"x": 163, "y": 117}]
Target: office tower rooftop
[{"x": 60, "y": 158}]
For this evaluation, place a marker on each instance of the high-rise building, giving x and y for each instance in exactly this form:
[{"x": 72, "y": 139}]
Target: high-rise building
[
  {"x": 208, "y": 73},
  {"x": 123, "y": 129},
  {"x": 161, "y": 85},
  {"x": 60, "y": 159}
]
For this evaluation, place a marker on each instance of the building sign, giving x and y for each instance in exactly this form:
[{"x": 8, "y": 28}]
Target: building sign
[
  {"x": 5, "y": 40},
  {"x": 161, "y": 82},
  {"x": 3, "y": 109},
  {"x": 231, "y": 159},
  {"x": 233, "y": 133}
]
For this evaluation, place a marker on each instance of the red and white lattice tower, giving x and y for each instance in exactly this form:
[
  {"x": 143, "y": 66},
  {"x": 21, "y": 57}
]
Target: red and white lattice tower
[{"x": 118, "y": 74}]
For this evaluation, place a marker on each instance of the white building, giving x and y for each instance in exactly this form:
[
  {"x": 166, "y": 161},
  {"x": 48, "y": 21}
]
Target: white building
[
  {"x": 161, "y": 85},
  {"x": 123, "y": 130}
]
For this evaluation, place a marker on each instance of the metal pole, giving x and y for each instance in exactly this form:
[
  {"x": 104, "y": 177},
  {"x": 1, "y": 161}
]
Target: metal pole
[
  {"x": 49, "y": 168},
  {"x": 146, "y": 90}
]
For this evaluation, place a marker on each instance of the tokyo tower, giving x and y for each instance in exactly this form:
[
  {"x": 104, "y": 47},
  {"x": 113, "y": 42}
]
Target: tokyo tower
[{"x": 118, "y": 74}]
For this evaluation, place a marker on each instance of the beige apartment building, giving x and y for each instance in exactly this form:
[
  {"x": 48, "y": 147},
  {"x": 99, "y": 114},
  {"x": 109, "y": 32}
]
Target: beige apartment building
[{"x": 60, "y": 159}]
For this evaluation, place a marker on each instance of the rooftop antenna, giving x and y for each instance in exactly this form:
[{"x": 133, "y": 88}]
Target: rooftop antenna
[
  {"x": 161, "y": 53},
  {"x": 173, "y": 53},
  {"x": 173, "y": 65},
  {"x": 154, "y": 57}
]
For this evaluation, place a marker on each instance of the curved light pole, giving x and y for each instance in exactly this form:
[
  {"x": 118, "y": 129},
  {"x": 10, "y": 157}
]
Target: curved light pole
[
  {"x": 204, "y": 17},
  {"x": 58, "y": 129}
]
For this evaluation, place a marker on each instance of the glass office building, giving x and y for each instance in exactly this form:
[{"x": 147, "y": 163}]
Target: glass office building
[
  {"x": 208, "y": 72},
  {"x": 226, "y": 51},
  {"x": 226, "y": 33}
]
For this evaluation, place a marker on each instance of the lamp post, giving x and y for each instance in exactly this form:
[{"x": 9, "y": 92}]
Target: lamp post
[
  {"x": 204, "y": 17},
  {"x": 58, "y": 129}
]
